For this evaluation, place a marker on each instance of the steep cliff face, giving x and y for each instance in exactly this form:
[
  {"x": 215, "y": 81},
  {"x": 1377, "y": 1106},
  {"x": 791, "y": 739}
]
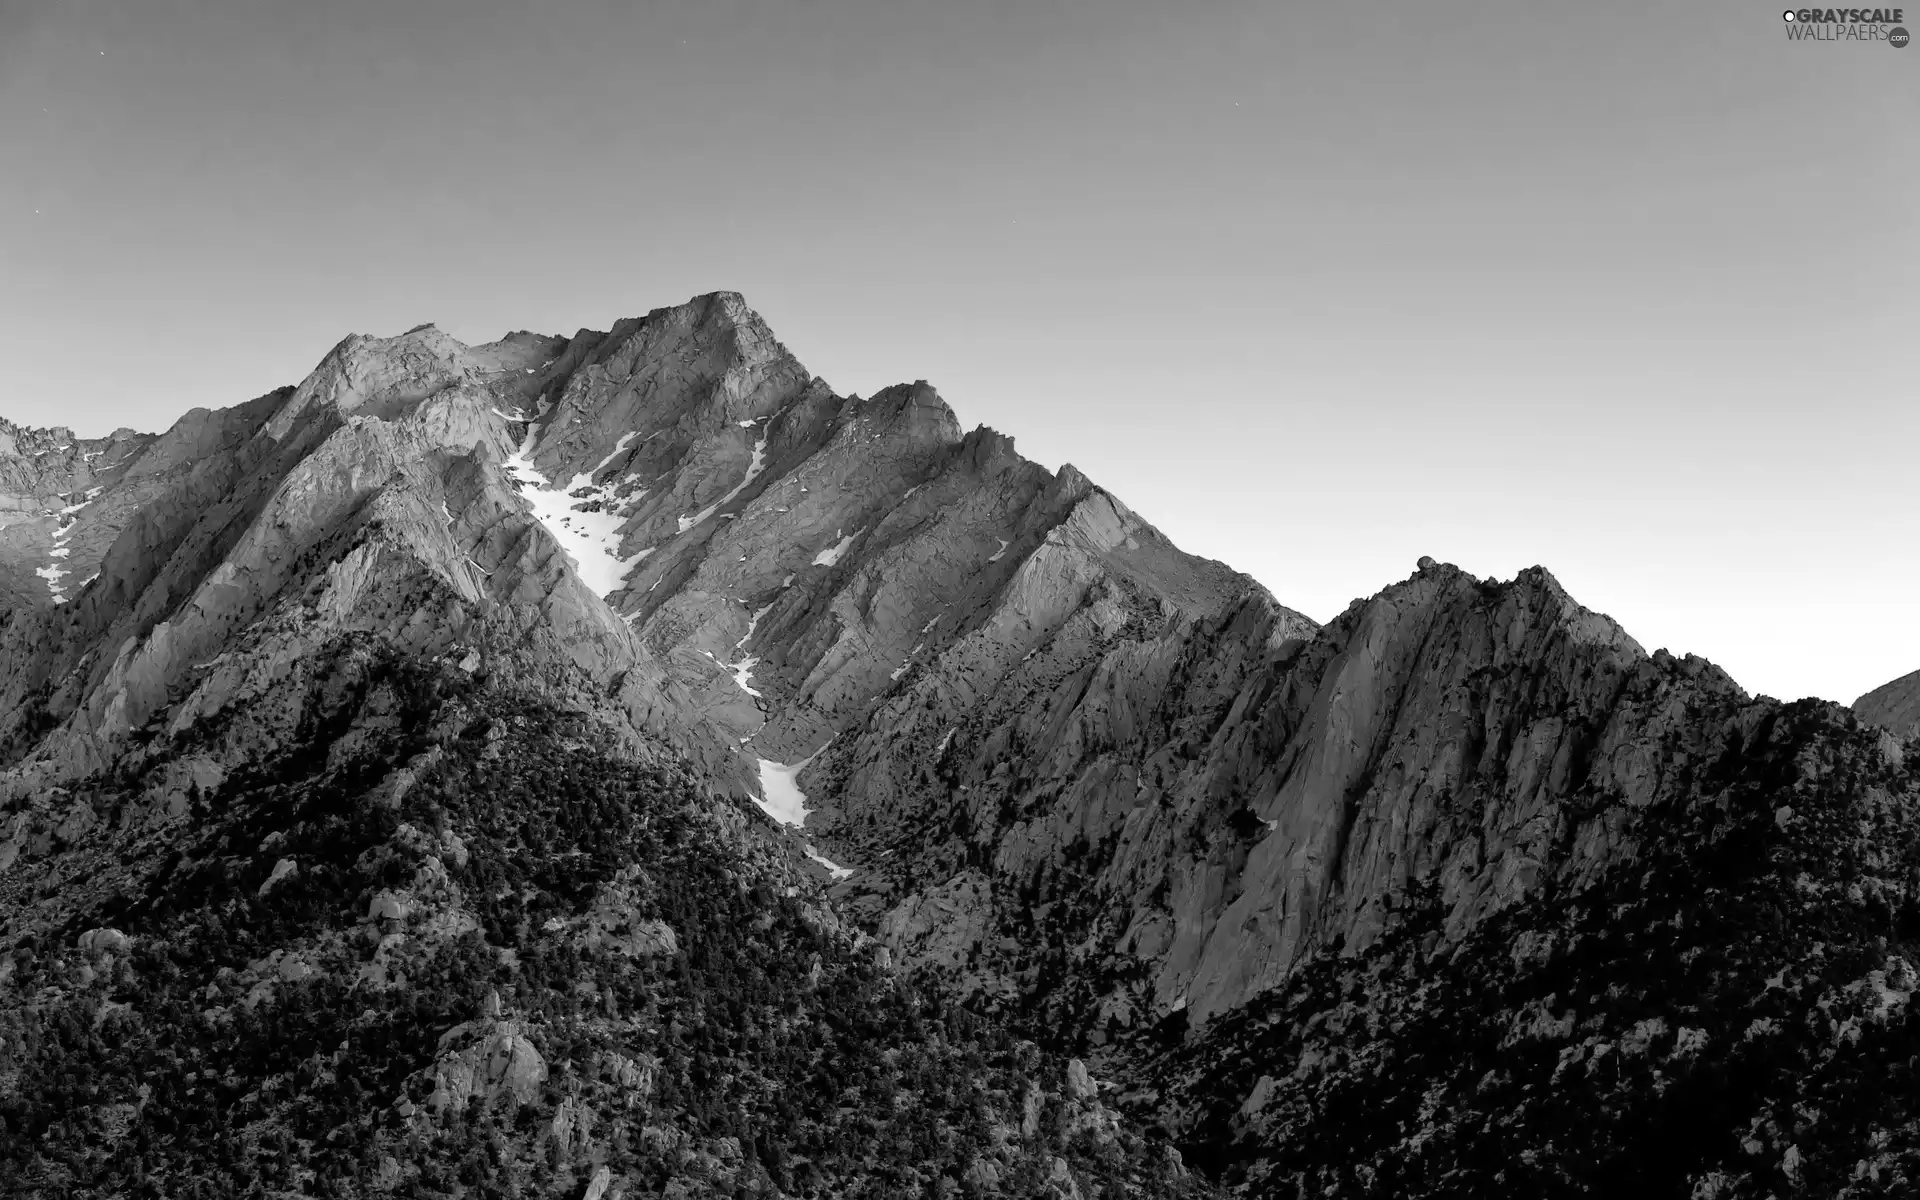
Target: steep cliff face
[
  {"x": 1194, "y": 810},
  {"x": 1895, "y": 705}
]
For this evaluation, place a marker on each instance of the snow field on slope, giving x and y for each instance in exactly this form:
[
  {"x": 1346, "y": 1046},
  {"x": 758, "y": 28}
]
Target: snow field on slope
[
  {"x": 783, "y": 800},
  {"x": 780, "y": 797},
  {"x": 591, "y": 539}
]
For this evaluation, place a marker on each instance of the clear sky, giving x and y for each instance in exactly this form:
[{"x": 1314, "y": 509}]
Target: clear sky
[{"x": 1629, "y": 289}]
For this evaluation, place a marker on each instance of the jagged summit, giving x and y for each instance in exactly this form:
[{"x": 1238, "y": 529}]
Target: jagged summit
[{"x": 662, "y": 504}]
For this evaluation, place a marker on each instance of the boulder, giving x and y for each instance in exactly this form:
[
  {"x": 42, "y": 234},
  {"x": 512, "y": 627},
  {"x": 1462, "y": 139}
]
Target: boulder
[
  {"x": 103, "y": 941},
  {"x": 501, "y": 1059}
]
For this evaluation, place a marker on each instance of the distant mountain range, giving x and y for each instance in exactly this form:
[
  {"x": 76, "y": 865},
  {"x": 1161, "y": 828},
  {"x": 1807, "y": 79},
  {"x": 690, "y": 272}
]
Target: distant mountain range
[{"x": 621, "y": 765}]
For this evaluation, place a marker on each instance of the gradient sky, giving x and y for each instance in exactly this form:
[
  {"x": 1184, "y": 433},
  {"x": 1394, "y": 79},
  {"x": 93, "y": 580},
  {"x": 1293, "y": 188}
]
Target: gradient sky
[{"x": 1629, "y": 289}]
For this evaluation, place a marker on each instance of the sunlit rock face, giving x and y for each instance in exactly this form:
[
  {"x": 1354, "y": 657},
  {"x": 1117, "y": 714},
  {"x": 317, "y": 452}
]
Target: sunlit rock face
[
  {"x": 1196, "y": 802},
  {"x": 1894, "y": 706}
]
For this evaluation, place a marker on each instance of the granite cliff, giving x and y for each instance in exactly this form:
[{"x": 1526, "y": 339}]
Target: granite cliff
[{"x": 1895, "y": 705}]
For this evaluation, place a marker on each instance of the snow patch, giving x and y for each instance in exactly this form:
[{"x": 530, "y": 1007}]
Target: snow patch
[
  {"x": 831, "y": 555},
  {"x": 754, "y": 467},
  {"x": 52, "y": 575},
  {"x": 618, "y": 446},
  {"x": 908, "y": 663},
  {"x": 945, "y": 742},
  {"x": 591, "y": 539},
  {"x": 742, "y": 670},
  {"x": 53, "y": 572},
  {"x": 833, "y": 868},
  {"x": 780, "y": 796},
  {"x": 995, "y": 556}
]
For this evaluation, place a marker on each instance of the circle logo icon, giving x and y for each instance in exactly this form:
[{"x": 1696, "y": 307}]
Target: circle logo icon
[
  {"x": 1897, "y": 36},
  {"x": 1787, "y": 15}
]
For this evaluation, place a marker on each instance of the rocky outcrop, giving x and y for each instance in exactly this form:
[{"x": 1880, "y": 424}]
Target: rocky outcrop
[
  {"x": 485, "y": 1060},
  {"x": 1894, "y": 706}
]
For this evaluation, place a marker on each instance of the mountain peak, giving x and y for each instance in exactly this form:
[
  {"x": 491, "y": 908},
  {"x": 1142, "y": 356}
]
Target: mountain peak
[{"x": 471, "y": 682}]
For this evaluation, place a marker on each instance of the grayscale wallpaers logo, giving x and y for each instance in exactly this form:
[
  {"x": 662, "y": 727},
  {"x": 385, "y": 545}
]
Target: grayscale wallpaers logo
[{"x": 1847, "y": 25}]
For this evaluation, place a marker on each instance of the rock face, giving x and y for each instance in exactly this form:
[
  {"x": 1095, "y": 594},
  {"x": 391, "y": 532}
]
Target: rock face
[
  {"x": 1894, "y": 706},
  {"x": 52, "y": 531},
  {"x": 497, "y": 1059},
  {"x": 1115, "y": 796},
  {"x": 1727, "y": 1011},
  {"x": 373, "y": 497},
  {"x": 1195, "y": 810}
]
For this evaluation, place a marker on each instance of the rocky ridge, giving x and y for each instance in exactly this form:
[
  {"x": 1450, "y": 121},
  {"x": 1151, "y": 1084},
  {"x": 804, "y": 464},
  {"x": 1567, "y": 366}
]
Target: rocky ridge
[
  {"x": 1894, "y": 705},
  {"x": 1109, "y": 794}
]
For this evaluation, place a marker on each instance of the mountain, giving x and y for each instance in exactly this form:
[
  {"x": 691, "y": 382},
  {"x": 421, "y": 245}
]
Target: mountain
[
  {"x": 1894, "y": 705},
  {"x": 620, "y": 764}
]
